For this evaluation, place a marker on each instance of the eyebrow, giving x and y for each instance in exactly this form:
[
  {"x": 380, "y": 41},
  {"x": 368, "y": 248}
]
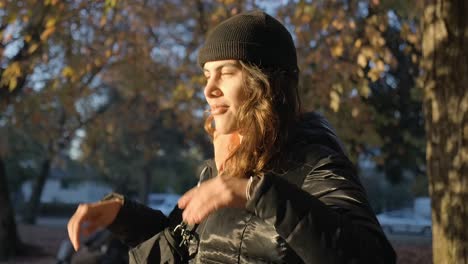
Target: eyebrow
[{"x": 227, "y": 64}]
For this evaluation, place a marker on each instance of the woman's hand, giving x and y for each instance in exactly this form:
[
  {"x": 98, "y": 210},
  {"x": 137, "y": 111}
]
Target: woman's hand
[
  {"x": 211, "y": 195},
  {"x": 90, "y": 217}
]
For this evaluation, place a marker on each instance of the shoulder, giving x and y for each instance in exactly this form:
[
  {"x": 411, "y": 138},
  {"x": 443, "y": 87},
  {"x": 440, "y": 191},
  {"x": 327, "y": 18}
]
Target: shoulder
[
  {"x": 314, "y": 129},
  {"x": 317, "y": 153},
  {"x": 314, "y": 139}
]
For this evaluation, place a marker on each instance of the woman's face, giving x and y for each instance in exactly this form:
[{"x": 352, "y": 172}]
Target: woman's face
[{"x": 224, "y": 93}]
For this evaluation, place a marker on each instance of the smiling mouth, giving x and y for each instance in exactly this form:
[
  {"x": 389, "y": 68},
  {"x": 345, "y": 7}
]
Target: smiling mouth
[{"x": 218, "y": 109}]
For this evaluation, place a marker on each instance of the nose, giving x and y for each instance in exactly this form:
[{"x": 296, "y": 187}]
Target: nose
[{"x": 212, "y": 89}]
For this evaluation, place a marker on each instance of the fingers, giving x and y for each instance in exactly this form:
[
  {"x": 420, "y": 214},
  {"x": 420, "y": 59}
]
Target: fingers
[
  {"x": 74, "y": 237},
  {"x": 199, "y": 202},
  {"x": 95, "y": 215},
  {"x": 199, "y": 210},
  {"x": 211, "y": 195},
  {"x": 191, "y": 214},
  {"x": 185, "y": 199},
  {"x": 74, "y": 225}
]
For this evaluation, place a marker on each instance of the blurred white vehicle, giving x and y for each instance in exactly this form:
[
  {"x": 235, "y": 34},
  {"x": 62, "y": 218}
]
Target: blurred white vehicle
[
  {"x": 164, "y": 202},
  {"x": 405, "y": 222}
]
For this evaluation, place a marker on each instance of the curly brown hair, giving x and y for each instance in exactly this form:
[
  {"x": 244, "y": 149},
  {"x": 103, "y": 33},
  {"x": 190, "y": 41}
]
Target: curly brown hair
[{"x": 270, "y": 111}]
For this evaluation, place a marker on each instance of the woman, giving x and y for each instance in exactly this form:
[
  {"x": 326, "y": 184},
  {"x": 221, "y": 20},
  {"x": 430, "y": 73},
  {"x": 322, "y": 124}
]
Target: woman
[{"x": 281, "y": 189}]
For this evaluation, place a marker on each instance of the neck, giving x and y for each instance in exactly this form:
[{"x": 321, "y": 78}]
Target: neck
[{"x": 224, "y": 145}]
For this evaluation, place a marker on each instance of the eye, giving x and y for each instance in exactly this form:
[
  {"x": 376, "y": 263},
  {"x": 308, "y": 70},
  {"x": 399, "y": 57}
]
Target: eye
[{"x": 227, "y": 73}]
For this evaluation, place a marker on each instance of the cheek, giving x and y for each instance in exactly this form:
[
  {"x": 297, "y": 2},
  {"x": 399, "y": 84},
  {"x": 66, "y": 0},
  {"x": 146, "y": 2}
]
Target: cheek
[
  {"x": 240, "y": 98},
  {"x": 237, "y": 105}
]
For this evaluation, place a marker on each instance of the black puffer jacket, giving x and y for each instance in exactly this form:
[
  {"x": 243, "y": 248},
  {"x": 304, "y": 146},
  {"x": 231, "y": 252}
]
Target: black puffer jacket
[{"x": 315, "y": 212}]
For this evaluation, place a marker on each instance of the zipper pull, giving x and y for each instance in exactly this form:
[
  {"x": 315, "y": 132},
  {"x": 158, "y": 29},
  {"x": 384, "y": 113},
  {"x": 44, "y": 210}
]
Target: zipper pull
[{"x": 184, "y": 233}]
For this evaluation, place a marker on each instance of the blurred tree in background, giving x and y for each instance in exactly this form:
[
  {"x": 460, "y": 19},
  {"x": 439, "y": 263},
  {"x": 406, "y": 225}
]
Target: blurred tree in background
[
  {"x": 359, "y": 63},
  {"x": 445, "y": 64},
  {"x": 115, "y": 86}
]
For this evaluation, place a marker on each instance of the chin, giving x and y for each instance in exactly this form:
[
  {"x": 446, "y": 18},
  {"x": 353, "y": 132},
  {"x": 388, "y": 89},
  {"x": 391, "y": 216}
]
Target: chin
[
  {"x": 225, "y": 124},
  {"x": 224, "y": 129}
]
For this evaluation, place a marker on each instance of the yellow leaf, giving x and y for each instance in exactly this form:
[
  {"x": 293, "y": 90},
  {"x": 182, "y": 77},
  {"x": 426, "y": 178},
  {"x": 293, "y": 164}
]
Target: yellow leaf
[
  {"x": 363, "y": 89},
  {"x": 337, "y": 50},
  {"x": 50, "y": 2},
  {"x": 102, "y": 21},
  {"x": 380, "y": 41},
  {"x": 373, "y": 74},
  {"x": 388, "y": 57},
  {"x": 10, "y": 76},
  {"x": 338, "y": 87},
  {"x": 362, "y": 60},
  {"x": 181, "y": 92},
  {"x": 358, "y": 43},
  {"x": 380, "y": 66},
  {"x": 338, "y": 24},
  {"x": 27, "y": 38},
  {"x": 46, "y": 33},
  {"x": 324, "y": 23},
  {"x": 55, "y": 85},
  {"x": 68, "y": 72},
  {"x": 334, "y": 101},
  {"x": 413, "y": 38},
  {"x": 367, "y": 51},
  {"x": 355, "y": 112},
  {"x": 12, "y": 85},
  {"x": 109, "y": 42},
  {"x": 51, "y": 22},
  {"x": 12, "y": 18},
  {"x": 110, "y": 3},
  {"x": 198, "y": 79},
  {"x": 360, "y": 73},
  {"x": 376, "y": 39},
  {"x": 310, "y": 10},
  {"x": 33, "y": 48},
  {"x": 382, "y": 27},
  {"x": 305, "y": 19}
]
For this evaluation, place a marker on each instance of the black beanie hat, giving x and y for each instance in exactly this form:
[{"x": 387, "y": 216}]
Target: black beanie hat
[{"x": 254, "y": 37}]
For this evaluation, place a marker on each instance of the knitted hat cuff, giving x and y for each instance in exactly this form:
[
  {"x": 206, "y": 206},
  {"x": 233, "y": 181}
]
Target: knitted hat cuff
[{"x": 230, "y": 51}]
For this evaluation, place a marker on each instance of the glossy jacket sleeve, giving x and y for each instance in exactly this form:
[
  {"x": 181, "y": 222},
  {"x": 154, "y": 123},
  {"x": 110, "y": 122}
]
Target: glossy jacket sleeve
[
  {"x": 136, "y": 223},
  {"x": 327, "y": 219}
]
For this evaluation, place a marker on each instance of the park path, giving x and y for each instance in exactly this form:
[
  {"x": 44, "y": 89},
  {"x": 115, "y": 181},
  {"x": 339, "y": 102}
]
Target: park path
[{"x": 47, "y": 236}]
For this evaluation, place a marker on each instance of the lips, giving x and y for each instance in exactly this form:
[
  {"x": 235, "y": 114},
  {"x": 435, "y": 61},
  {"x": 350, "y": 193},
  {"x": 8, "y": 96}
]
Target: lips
[{"x": 219, "y": 109}]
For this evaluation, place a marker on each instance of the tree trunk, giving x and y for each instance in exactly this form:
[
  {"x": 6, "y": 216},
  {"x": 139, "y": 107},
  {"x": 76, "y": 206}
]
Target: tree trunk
[
  {"x": 35, "y": 199},
  {"x": 9, "y": 239},
  {"x": 445, "y": 63},
  {"x": 145, "y": 184}
]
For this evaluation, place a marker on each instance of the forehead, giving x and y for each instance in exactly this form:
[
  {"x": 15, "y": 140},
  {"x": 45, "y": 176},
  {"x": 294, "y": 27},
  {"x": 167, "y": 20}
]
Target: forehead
[{"x": 217, "y": 65}]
